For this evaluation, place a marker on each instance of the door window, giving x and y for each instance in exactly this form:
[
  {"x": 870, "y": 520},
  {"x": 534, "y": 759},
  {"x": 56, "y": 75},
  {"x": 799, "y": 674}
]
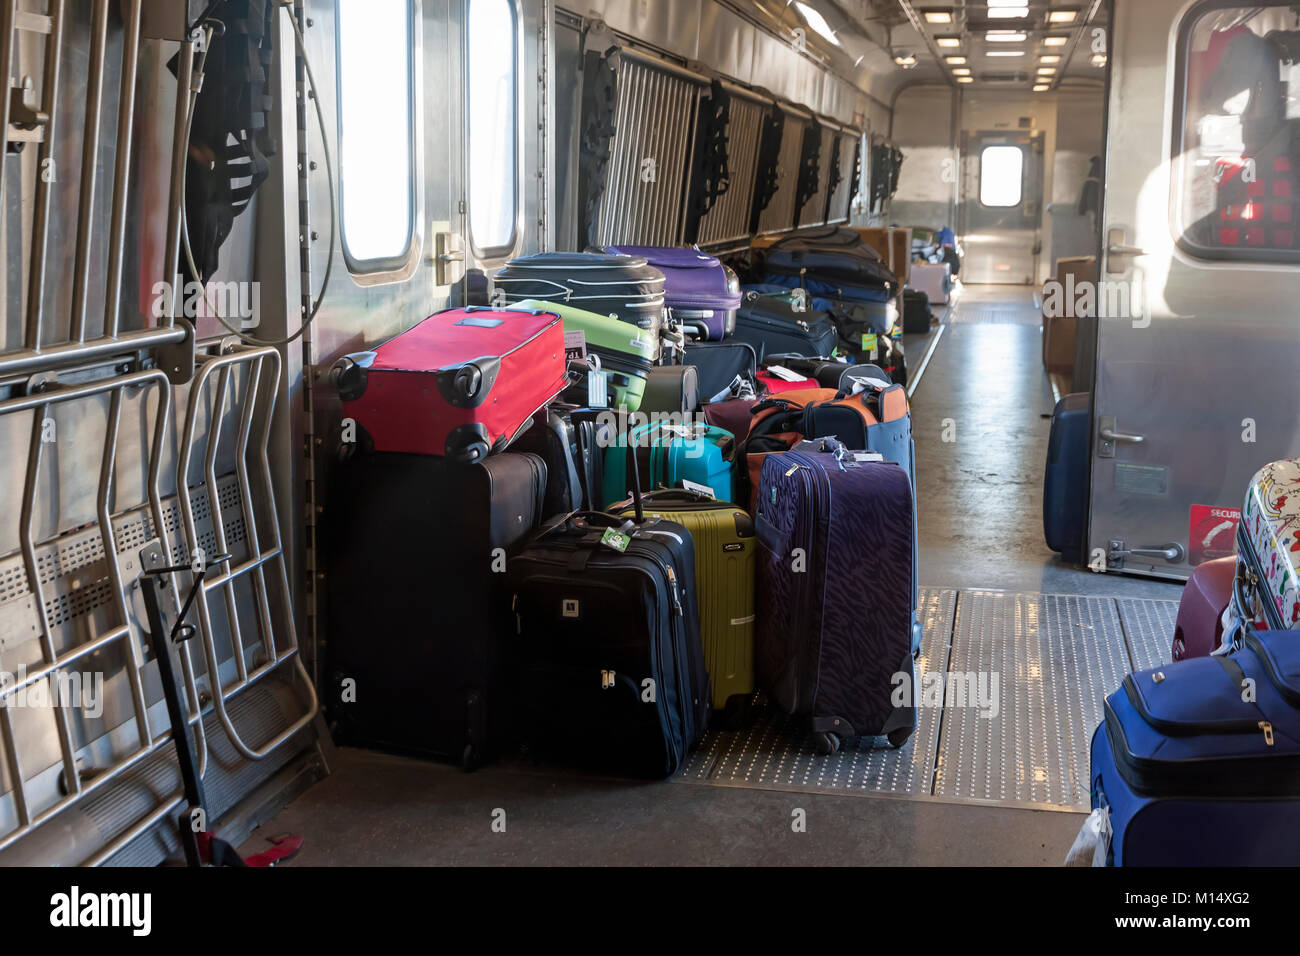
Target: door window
[
  {"x": 1235, "y": 140},
  {"x": 1002, "y": 173},
  {"x": 493, "y": 124}
]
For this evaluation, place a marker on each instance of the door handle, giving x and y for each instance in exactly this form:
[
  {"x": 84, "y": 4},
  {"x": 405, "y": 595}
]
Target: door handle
[
  {"x": 1119, "y": 250},
  {"x": 451, "y": 257},
  {"x": 1111, "y": 435},
  {"x": 1169, "y": 552}
]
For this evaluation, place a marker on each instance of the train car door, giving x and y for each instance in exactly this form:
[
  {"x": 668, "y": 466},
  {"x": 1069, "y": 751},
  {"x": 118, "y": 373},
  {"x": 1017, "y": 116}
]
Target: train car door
[
  {"x": 1198, "y": 341},
  {"x": 1003, "y": 206}
]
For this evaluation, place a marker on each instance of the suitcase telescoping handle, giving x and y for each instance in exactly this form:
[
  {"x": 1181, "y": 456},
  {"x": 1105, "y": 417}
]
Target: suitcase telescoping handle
[{"x": 667, "y": 494}]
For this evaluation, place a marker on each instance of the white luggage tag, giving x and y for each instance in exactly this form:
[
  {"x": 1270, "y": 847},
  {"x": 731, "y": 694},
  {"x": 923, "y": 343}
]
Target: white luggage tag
[
  {"x": 862, "y": 383},
  {"x": 597, "y": 384},
  {"x": 780, "y": 371},
  {"x": 575, "y": 345},
  {"x": 867, "y": 456},
  {"x": 698, "y": 488}
]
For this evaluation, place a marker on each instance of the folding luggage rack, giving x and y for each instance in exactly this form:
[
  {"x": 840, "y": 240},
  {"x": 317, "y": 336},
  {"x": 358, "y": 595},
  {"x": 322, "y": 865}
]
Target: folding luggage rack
[{"x": 75, "y": 592}]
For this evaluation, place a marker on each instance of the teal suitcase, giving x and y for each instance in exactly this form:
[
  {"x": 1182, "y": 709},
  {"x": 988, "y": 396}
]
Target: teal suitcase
[{"x": 669, "y": 454}]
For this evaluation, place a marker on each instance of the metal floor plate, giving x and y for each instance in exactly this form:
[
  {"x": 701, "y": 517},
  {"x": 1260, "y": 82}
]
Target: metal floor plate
[{"x": 1056, "y": 657}]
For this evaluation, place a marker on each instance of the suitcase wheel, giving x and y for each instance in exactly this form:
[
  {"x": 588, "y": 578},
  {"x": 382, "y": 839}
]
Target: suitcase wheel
[
  {"x": 826, "y": 743},
  {"x": 899, "y": 736}
]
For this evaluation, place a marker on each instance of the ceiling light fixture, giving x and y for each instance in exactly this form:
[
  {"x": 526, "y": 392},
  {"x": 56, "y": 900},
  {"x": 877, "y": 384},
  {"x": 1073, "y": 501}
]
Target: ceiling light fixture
[
  {"x": 948, "y": 42},
  {"x": 955, "y": 60},
  {"x": 905, "y": 60},
  {"x": 1046, "y": 71},
  {"x": 1041, "y": 88},
  {"x": 1005, "y": 36},
  {"x": 961, "y": 71},
  {"x": 965, "y": 79},
  {"x": 1062, "y": 16},
  {"x": 1008, "y": 13},
  {"x": 937, "y": 16},
  {"x": 1049, "y": 58},
  {"x": 1005, "y": 53},
  {"x": 1055, "y": 41}
]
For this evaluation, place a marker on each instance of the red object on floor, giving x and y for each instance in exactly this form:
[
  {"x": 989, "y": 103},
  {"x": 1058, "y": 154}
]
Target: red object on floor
[
  {"x": 283, "y": 848},
  {"x": 1199, "y": 626}
]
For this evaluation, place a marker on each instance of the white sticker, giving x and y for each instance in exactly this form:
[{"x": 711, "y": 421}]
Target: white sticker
[
  {"x": 697, "y": 488},
  {"x": 575, "y": 346},
  {"x": 868, "y": 456}
]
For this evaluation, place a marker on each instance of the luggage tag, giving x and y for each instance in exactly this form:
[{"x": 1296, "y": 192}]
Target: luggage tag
[
  {"x": 869, "y": 343},
  {"x": 868, "y": 456},
  {"x": 617, "y": 539},
  {"x": 780, "y": 371},
  {"x": 575, "y": 346},
  {"x": 698, "y": 488},
  {"x": 597, "y": 385}
]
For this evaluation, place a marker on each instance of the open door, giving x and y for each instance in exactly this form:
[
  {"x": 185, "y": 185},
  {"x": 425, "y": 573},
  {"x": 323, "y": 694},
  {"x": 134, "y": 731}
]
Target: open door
[
  {"x": 1198, "y": 336},
  {"x": 1003, "y": 206}
]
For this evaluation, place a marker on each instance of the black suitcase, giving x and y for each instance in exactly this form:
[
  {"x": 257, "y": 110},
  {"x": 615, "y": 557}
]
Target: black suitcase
[
  {"x": 564, "y": 436},
  {"x": 771, "y": 325},
  {"x": 609, "y": 664},
  {"x": 417, "y": 608},
  {"x": 672, "y": 388},
  {"x": 624, "y": 286},
  {"x": 831, "y": 252},
  {"x": 723, "y": 367},
  {"x": 829, "y": 374},
  {"x": 916, "y": 312}
]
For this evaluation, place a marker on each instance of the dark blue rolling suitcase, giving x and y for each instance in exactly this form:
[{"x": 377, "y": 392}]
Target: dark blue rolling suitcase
[
  {"x": 835, "y": 593},
  {"x": 1065, "y": 482},
  {"x": 1198, "y": 762}
]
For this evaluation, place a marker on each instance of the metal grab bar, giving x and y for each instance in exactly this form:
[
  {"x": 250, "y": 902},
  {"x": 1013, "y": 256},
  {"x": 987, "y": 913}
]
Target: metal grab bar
[{"x": 222, "y": 366}]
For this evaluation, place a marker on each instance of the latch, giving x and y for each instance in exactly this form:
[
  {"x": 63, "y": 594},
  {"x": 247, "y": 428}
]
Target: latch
[
  {"x": 1116, "y": 553},
  {"x": 448, "y": 255}
]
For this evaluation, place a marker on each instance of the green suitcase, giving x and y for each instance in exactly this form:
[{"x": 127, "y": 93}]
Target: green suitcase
[
  {"x": 725, "y": 551},
  {"x": 626, "y": 352}
]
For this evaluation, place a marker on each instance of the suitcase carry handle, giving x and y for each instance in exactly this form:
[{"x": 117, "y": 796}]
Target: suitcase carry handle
[{"x": 667, "y": 494}]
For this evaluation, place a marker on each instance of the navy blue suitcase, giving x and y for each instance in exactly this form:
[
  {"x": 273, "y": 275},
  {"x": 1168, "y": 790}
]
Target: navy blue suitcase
[
  {"x": 1196, "y": 773},
  {"x": 1065, "y": 482},
  {"x": 835, "y": 593}
]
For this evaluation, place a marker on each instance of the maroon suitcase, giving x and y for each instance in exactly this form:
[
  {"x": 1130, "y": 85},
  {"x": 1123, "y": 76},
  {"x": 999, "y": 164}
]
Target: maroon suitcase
[
  {"x": 1199, "y": 626},
  {"x": 461, "y": 383}
]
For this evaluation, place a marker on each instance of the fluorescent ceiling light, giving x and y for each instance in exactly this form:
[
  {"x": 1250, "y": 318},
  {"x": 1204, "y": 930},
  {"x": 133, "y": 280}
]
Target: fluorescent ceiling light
[
  {"x": 817, "y": 22},
  {"x": 1055, "y": 41},
  {"x": 1098, "y": 59},
  {"x": 1061, "y": 16},
  {"x": 1005, "y": 36},
  {"x": 961, "y": 71},
  {"x": 906, "y": 60},
  {"x": 948, "y": 42},
  {"x": 1005, "y": 53},
  {"x": 1008, "y": 13},
  {"x": 937, "y": 16},
  {"x": 1046, "y": 70},
  {"x": 1041, "y": 88},
  {"x": 965, "y": 79},
  {"x": 955, "y": 60},
  {"x": 1049, "y": 58}
]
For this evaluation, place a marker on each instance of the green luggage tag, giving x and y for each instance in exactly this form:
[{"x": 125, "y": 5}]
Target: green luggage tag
[
  {"x": 615, "y": 539},
  {"x": 869, "y": 343}
]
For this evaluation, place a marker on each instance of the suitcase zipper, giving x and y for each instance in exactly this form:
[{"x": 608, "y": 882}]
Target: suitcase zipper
[{"x": 1289, "y": 693}]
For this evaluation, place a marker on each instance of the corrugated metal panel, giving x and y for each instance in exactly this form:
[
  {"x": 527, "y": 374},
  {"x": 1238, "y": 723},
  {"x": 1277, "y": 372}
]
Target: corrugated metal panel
[
  {"x": 728, "y": 220},
  {"x": 779, "y": 214},
  {"x": 839, "y": 207},
  {"x": 813, "y": 211},
  {"x": 654, "y": 122}
]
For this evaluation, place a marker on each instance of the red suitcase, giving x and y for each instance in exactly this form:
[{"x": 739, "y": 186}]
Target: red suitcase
[
  {"x": 775, "y": 384},
  {"x": 461, "y": 383},
  {"x": 1199, "y": 627}
]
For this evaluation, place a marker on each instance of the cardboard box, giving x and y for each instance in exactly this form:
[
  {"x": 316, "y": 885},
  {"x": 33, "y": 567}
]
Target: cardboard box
[
  {"x": 901, "y": 242},
  {"x": 878, "y": 238},
  {"x": 1059, "y": 331}
]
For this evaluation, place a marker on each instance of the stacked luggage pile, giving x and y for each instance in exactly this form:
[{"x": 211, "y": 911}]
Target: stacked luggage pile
[
  {"x": 628, "y": 499},
  {"x": 1197, "y": 762}
]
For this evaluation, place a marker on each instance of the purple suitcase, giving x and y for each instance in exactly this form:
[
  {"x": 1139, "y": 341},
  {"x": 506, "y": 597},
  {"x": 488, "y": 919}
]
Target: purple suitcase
[
  {"x": 701, "y": 292},
  {"x": 835, "y": 593}
]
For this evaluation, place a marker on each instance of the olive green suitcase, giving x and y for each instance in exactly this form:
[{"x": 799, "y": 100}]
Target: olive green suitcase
[
  {"x": 626, "y": 352},
  {"x": 725, "y": 549}
]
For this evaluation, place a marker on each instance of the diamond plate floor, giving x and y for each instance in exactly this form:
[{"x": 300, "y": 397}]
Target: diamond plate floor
[{"x": 1051, "y": 659}]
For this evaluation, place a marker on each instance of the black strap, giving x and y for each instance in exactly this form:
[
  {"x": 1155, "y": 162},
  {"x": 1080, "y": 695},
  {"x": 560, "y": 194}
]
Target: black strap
[
  {"x": 810, "y": 152},
  {"x": 599, "y": 98},
  {"x": 1229, "y": 664}
]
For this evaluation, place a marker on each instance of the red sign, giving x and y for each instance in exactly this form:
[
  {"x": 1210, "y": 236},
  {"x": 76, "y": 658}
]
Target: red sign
[{"x": 1211, "y": 533}]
